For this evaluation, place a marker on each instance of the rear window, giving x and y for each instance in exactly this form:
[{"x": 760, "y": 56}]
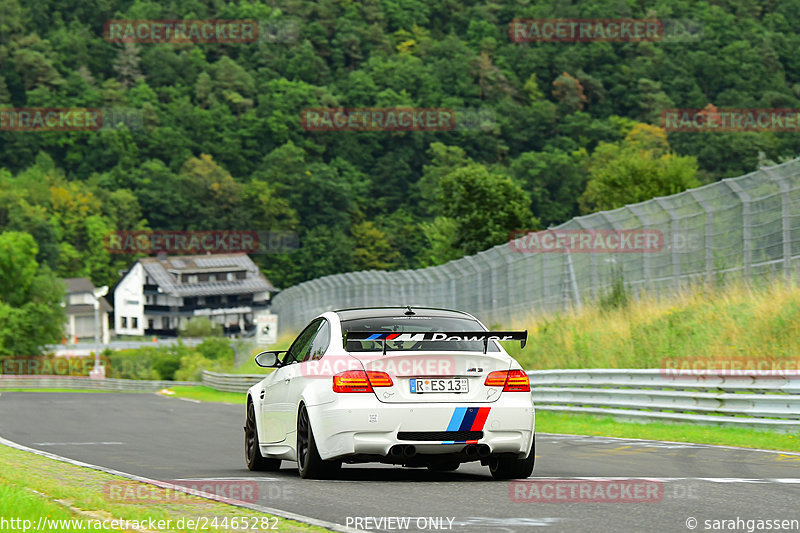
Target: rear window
[{"x": 415, "y": 324}]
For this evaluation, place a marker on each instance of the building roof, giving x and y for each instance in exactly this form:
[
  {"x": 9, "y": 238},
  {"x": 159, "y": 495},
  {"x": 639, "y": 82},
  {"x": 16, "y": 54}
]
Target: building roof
[
  {"x": 81, "y": 285},
  {"x": 78, "y": 285},
  {"x": 165, "y": 273}
]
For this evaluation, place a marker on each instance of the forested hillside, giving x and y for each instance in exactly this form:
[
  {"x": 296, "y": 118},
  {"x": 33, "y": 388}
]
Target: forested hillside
[{"x": 564, "y": 129}]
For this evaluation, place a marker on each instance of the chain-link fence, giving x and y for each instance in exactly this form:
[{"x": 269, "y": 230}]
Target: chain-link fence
[{"x": 746, "y": 227}]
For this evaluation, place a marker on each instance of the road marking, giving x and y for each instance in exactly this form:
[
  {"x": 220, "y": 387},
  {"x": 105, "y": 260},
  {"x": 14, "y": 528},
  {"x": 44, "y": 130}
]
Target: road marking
[
  {"x": 658, "y": 443},
  {"x": 785, "y": 480},
  {"x": 227, "y": 479},
  {"x": 499, "y": 524},
  {"x": 77, "y": 443},
  {"x": 260, "y": 508}
]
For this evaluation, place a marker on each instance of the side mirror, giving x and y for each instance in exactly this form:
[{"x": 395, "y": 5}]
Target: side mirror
[{"x": 268, "y": 359}]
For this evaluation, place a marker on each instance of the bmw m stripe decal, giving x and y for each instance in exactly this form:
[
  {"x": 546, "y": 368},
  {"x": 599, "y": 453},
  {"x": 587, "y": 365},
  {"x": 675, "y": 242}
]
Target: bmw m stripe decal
[
  {"x": 382, "y": 336},
  {"x": 455, "y": 421},
  {"x": 480, "y": 419},
  {"x": 467, "y": 419}
]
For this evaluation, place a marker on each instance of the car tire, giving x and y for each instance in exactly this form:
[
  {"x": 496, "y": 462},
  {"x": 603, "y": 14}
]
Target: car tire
[
  {"x": 252, "y": 452},
  {"x": 502, "y": 468},
  {"x": 309, "y": 464}
]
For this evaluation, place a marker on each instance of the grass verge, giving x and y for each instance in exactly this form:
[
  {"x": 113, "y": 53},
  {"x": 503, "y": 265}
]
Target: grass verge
[
  {"x": 82, "y": 496},
  {"x": 606, "y": 426},
  {"x": 737, "y": 322},
  {"x": 205, "y": 394}
]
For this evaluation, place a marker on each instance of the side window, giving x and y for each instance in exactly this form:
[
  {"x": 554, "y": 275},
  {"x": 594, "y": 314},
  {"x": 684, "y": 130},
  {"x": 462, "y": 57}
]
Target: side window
[
  {"x": 301, "y": 343},
  {"x": 320, "y": 342}
]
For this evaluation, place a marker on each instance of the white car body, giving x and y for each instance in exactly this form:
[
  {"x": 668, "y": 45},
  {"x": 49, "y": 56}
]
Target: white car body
[{"x": 391, "y": 423}]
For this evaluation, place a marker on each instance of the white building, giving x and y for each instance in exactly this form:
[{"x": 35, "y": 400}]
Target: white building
[
  {"x": 80, "y": 311},
  {"x": 159, "y": 294}
]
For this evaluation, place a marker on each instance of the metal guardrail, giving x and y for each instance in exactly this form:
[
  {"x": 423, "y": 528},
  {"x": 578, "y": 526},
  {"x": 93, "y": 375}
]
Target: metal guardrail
[
  {"x": 85, "y": 383},
  {"x": 649, "y": 395},
  {"x": 656, "y": 395},
  {"x": 766, "y": 402},
  {"x": 230, "y": 382}
]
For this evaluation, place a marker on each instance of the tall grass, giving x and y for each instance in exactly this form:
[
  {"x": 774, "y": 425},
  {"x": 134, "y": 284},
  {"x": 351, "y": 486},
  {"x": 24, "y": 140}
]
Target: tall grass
[{"x": 735, "y": 322}]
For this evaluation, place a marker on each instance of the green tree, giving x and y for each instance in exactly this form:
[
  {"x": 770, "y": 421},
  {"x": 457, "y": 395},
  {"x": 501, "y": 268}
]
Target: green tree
[
  {"x": 554, "y": 179},
  {"x": 639, "y": 168},
  {"x": 487, "y": 206},
  {"x": 31, "y": 314},
  {"x": 373, "y": 249}
]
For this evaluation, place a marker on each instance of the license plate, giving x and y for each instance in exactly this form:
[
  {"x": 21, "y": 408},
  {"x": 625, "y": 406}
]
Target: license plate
[{"x": 419, "y": 385}]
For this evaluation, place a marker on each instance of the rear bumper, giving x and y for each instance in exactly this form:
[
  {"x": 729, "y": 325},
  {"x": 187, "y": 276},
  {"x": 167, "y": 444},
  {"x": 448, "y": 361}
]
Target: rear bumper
[{"x": 361, "y": 425}]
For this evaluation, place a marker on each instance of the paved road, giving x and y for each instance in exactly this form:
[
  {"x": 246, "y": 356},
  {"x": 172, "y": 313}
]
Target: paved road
[{"x": 168, "y": 439}]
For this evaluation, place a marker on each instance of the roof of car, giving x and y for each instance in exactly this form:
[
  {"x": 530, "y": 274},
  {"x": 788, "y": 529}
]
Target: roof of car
[{"x": 375, "y": 312}]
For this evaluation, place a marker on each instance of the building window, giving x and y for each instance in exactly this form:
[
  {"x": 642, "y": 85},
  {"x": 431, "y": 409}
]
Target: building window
[
  {"x": 134, "y": 323},
  {"x": 150, "y": 324},
  {"x": 192, "y": 278},
  {"x": 164, "y": 322},
  {"x": 241, "y": 275},
  {"x": 123, "y": 322}
]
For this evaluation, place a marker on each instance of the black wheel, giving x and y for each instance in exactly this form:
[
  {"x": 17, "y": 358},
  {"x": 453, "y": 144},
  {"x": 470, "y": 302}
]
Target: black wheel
[
  {"x": 309, "y": 463},
  {"x": 447, "y": 466},
  {"x": 252, "y": 453},
  {"x": 502, "y": 468}
]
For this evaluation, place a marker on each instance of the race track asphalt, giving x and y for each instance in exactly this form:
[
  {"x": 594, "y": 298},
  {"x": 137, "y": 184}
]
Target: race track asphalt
[{"x": 169, "y": 439}]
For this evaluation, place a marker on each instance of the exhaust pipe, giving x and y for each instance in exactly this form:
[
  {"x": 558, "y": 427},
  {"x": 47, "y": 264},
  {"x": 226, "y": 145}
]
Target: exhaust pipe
[
  {"x": 471, "y": 450},
  {"x": 409, "y": 450},
  {"x": 484, "y": 451},
  {"x": 396, "y": 450}
]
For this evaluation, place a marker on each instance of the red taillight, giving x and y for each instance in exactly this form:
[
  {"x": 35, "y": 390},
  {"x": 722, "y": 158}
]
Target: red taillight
[
  {"x": 517, "y": 382},
  {"x": 510, "y": 380},
  {"x": 496, "y": 379},
  {"x": 360, "y": 381},
  {"x": 351, "y": 381},
  {"x": 379, "y": 379}
]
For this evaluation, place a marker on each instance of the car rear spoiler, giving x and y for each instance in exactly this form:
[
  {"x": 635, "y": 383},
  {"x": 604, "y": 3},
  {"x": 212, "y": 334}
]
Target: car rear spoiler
[{"x": 474, "y": 336}]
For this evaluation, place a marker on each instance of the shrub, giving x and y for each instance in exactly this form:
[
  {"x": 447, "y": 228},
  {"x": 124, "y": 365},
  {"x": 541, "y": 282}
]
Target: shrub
[{"x": 201, "y": 326}]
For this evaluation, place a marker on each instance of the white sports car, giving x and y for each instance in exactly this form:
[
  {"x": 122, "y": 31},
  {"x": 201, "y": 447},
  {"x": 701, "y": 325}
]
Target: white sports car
[{"x": 416, "y": 387}]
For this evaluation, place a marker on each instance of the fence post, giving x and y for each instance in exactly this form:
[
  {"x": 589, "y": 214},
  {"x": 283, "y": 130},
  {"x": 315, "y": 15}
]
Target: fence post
[
  {"x": 786, "y": 227},
  {"x": 673, "y": 229},
  {"x": 643, "y": 221},
  {"x": 746, "y": 228},
  {"x": 709, "y": 236}
]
